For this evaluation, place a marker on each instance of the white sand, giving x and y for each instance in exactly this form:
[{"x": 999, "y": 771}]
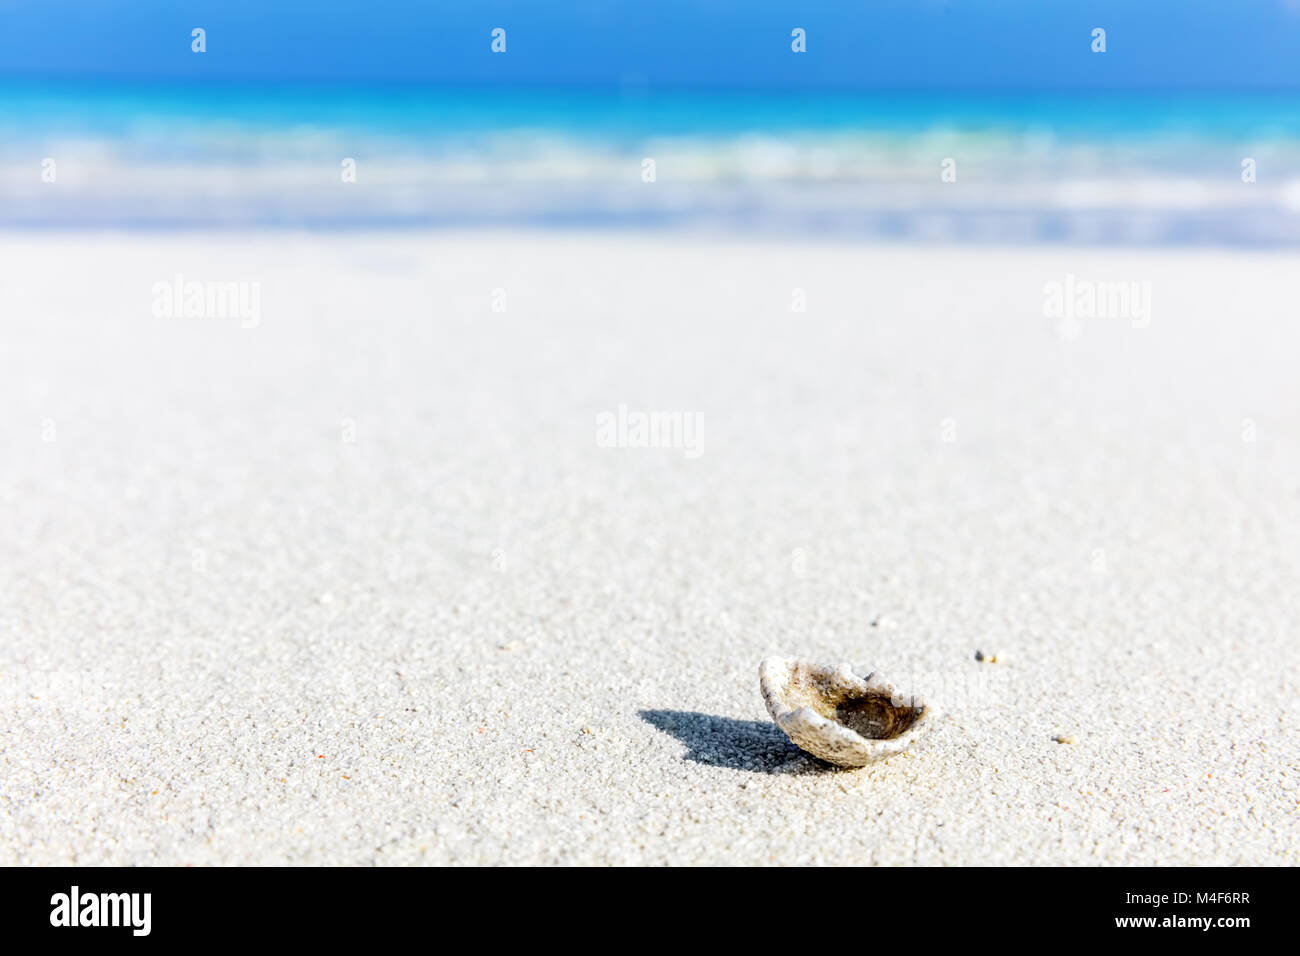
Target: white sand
[{"x": 473, "y": 636}]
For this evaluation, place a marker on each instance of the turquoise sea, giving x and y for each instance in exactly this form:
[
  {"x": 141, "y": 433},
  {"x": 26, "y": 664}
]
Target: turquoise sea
[{"x": 1128, "y": 168}]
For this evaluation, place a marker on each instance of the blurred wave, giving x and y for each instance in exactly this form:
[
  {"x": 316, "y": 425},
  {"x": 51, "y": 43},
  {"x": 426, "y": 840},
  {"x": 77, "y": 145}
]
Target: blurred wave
[{"x": 1126, "y": 169}]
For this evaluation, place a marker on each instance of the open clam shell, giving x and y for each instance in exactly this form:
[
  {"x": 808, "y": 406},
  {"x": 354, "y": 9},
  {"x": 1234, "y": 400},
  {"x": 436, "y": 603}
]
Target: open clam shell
[{"x": 833, "y": 714}]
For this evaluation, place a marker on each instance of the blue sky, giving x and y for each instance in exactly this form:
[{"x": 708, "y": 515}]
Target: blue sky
[{"x": 861, "y": 44}]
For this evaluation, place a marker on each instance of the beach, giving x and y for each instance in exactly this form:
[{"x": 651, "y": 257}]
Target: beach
[{"x": 348, "y": 565}]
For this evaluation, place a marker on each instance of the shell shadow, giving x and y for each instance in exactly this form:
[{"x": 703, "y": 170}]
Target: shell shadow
[{"x": 751, "y": 745}]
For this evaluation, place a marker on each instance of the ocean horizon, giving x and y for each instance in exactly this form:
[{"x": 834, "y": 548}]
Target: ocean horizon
[{"x": 1114, "y": 168}]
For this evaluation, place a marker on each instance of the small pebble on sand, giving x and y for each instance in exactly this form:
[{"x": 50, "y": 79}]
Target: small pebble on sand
[{"x": 1065, "y": 739}]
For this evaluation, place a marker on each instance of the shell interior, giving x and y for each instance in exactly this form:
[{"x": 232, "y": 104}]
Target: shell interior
[{"x": 874, "y": 715}]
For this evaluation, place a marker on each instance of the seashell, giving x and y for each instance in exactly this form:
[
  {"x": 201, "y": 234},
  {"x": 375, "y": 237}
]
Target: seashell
[{"x": 844, "y": 719}]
